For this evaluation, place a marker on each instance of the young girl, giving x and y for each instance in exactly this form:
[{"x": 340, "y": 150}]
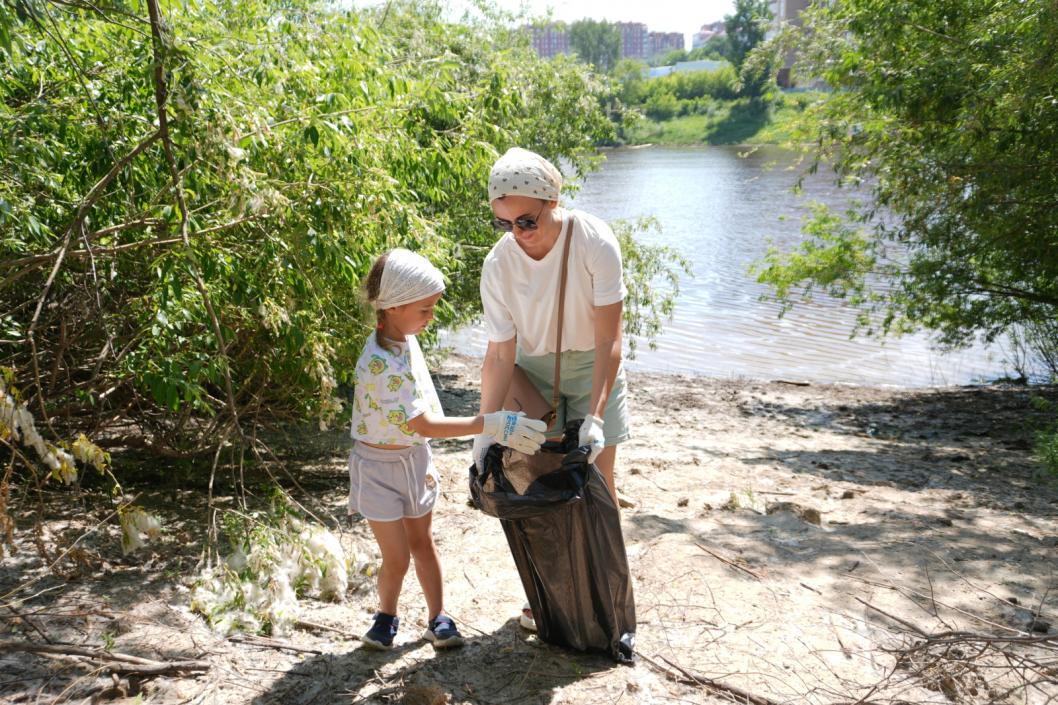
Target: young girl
[{"x": 392, "y": 480}]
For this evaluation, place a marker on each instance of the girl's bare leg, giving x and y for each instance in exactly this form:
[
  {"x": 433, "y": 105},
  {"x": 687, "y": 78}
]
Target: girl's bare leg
[
  {"x": 427, "y": 563},
  {"x": 394, "y": 544}
]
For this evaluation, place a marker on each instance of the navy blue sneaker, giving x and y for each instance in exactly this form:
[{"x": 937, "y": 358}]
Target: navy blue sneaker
[
  {"x": 381, "y": 634},
  {"x": 442, "y": 633}
]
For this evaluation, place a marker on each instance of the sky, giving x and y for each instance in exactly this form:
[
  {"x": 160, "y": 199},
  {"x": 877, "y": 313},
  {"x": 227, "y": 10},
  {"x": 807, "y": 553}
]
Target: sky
[{"x": 658, "y": 15}]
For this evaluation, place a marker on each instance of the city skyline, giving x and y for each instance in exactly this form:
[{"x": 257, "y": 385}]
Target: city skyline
[{"x": 661, "y": 16}]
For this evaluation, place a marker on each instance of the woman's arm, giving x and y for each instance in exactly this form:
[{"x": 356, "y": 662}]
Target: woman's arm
[
  {"x": 496, "y": 371},
  {"x": 607, "y": 355}
]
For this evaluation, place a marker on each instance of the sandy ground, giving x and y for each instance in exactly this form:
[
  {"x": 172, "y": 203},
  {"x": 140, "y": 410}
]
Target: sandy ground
[{"x": 790, "y": 543}]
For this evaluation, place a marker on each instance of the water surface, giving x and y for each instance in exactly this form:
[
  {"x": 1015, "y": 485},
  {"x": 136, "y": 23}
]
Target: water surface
[{"x": 721, "y": 207}]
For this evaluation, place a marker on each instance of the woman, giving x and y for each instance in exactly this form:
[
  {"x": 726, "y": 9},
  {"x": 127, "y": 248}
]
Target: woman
[{"x": 519, "y": 293}]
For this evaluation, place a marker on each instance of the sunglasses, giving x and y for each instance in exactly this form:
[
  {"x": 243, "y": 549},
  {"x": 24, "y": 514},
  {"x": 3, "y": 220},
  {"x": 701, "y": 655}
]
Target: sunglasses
[{"x": 523, "y": 222}]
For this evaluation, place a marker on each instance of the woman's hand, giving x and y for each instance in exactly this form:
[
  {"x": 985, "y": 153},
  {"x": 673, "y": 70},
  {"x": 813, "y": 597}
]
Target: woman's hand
[
  {"x": 515, "y": 430},
  {"x": 591, "y": 435}
]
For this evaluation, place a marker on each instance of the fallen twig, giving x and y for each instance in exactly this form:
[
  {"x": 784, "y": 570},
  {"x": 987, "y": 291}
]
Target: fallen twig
[
  {"x": 903, "y": 622},
  {"x": 270, "y": 643},
  {"x": 111, "y": 660},
  {"x": 730, "y": 562},
  {"x": 23, "y": 618},
  {"x": 690, "y": 678},
  {"x": 327, "y": 628}
]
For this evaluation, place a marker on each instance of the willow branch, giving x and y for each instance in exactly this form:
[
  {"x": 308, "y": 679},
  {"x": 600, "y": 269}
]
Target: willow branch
[
  {"x": 161, "y": 93},
  {"x": 78, "y": 220}
]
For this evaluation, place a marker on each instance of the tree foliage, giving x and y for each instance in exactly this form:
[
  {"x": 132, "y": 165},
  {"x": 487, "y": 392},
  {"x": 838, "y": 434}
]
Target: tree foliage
[
  {"x": 596, "y": 42},
  {"x": 187, "y": 280},
  {"x": 746, "y": 29},
  {"x": 945, "y": 113},
  {"x": 683, "y": 93}
]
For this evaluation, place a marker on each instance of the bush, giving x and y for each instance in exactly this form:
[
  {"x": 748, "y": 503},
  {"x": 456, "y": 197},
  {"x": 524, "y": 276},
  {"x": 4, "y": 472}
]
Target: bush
[
  {"x": 209, "y": 276},
  {"x": 662, "y": 106}
]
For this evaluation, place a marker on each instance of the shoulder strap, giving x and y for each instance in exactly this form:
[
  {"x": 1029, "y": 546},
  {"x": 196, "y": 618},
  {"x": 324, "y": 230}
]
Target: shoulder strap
[{"x": 561, "y": 309}]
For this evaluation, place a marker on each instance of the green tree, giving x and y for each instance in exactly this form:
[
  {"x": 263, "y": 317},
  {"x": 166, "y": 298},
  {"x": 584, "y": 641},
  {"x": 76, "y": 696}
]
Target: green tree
[
  {"x": 714, "y": 48},
  {"x": 629, "y": 73},
  {"x": 596, "y": 42},
  {"x": 955, "y": 149},
  {"x": 745, "y": 32},
  {"x": 670, "y": 58},
  {"x": 189, "y": 198},
  {"x": 945, "y": 115},
  {"x": 186, "y": 244}
]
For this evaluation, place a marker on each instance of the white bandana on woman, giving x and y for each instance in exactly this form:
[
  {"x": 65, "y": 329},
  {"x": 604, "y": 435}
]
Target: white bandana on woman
[
  {"x": 407, "y": 277},
  {"x": 520, "y": 172}
]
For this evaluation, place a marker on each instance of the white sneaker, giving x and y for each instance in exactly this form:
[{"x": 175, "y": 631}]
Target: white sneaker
[{"x": 526, "y": 618}]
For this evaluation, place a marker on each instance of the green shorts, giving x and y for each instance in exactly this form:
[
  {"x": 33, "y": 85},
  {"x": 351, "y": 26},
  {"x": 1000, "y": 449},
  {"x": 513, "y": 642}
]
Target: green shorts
[{"x": 575, "y": 390}]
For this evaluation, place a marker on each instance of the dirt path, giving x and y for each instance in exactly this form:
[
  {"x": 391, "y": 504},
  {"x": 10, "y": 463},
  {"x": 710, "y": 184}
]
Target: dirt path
[{"x": 782, "y": 538}]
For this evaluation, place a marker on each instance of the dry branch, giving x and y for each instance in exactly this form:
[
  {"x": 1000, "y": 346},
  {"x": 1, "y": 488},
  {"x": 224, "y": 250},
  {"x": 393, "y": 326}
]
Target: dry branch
[
  {"x": 267, "y": 643},
  {"x": 730, "y": 562},
  {"x": 110, "y": 660},
  {"x": 689, "y": 678},
  {"x": 304, "y": 624}
]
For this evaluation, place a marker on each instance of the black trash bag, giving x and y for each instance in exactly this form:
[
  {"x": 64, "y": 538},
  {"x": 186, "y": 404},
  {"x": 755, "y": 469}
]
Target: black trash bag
[{"x": 564, "y": 530}]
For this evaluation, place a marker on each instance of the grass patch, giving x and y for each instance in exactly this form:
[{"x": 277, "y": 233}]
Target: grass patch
[{"x": 733, "y": 122}]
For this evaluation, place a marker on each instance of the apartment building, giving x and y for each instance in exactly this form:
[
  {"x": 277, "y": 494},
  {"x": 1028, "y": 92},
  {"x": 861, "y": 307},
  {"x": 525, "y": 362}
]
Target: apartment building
[
  {"x": 634, "y": 40},
  {"x": 550, "y": 40},
  {"x": 664, "y": 42},
  {"x": 783, "y": 12},
  {"x": 637, "y": 42}
]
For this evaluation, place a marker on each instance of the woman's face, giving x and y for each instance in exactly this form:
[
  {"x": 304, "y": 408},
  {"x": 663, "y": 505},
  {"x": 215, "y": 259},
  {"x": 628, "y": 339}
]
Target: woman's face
[{"x": 519, "y": 211}]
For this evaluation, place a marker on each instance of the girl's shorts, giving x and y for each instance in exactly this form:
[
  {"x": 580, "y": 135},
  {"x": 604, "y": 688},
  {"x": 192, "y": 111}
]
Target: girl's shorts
[
  {"x": 575, "y": 390},
  {"x": 387, "y": 485}
]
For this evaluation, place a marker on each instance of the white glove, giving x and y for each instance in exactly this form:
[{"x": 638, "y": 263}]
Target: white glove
[
  {"x": 514, "y": 430},
  {"x": 482, "y": 443},
  {"x": 591, "y": 435}
]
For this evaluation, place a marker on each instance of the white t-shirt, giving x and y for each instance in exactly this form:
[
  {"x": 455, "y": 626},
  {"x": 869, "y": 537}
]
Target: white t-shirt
[
  {"x": 392, "y": 388},
  {"x": 520, "y": 294}
]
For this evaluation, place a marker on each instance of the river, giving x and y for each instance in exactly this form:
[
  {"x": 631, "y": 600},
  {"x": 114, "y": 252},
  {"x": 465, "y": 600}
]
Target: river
[{"x": 720, "y": 207}]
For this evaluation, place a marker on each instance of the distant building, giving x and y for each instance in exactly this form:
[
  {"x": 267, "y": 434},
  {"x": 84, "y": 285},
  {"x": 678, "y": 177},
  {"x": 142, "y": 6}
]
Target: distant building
[
  {"x": 550, "y": 40},
  {"x": 707, "y": 32},
  {"x": 637, "y": 42},
  {"x": 633, "y": 40},
  {"x": 786, "y": 12},
  {"x": 664, "y": 42}
]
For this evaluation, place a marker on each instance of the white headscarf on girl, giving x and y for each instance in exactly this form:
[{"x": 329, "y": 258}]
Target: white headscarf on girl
[
  {"x": 407, "y": 277},
  {"x": 520, "y": 172}
]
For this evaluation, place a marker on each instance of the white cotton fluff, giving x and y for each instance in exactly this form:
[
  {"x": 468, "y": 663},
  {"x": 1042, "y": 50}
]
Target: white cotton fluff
[
  {"x": 137, "y": 527},
  {"x": 258, "y": 585},
  {"x": 326, "y": 551}
]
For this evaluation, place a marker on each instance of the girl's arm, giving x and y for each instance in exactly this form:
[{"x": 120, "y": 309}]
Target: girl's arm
[
  {"x": 506, "y": 427},
  {"x": 436, "y": 426}
]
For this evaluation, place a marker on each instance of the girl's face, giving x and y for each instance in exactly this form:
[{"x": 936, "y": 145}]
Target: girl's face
[{"x": 409, "y": 319}]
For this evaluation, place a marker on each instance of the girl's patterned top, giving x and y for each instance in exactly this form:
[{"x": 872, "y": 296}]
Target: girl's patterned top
[{"x": 392, "y": 388}]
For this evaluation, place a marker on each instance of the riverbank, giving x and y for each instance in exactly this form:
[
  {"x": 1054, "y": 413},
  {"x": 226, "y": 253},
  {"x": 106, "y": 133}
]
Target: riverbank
[
  {"x": 785, "y": 540},
  {"x": 731, "y": 122}
]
